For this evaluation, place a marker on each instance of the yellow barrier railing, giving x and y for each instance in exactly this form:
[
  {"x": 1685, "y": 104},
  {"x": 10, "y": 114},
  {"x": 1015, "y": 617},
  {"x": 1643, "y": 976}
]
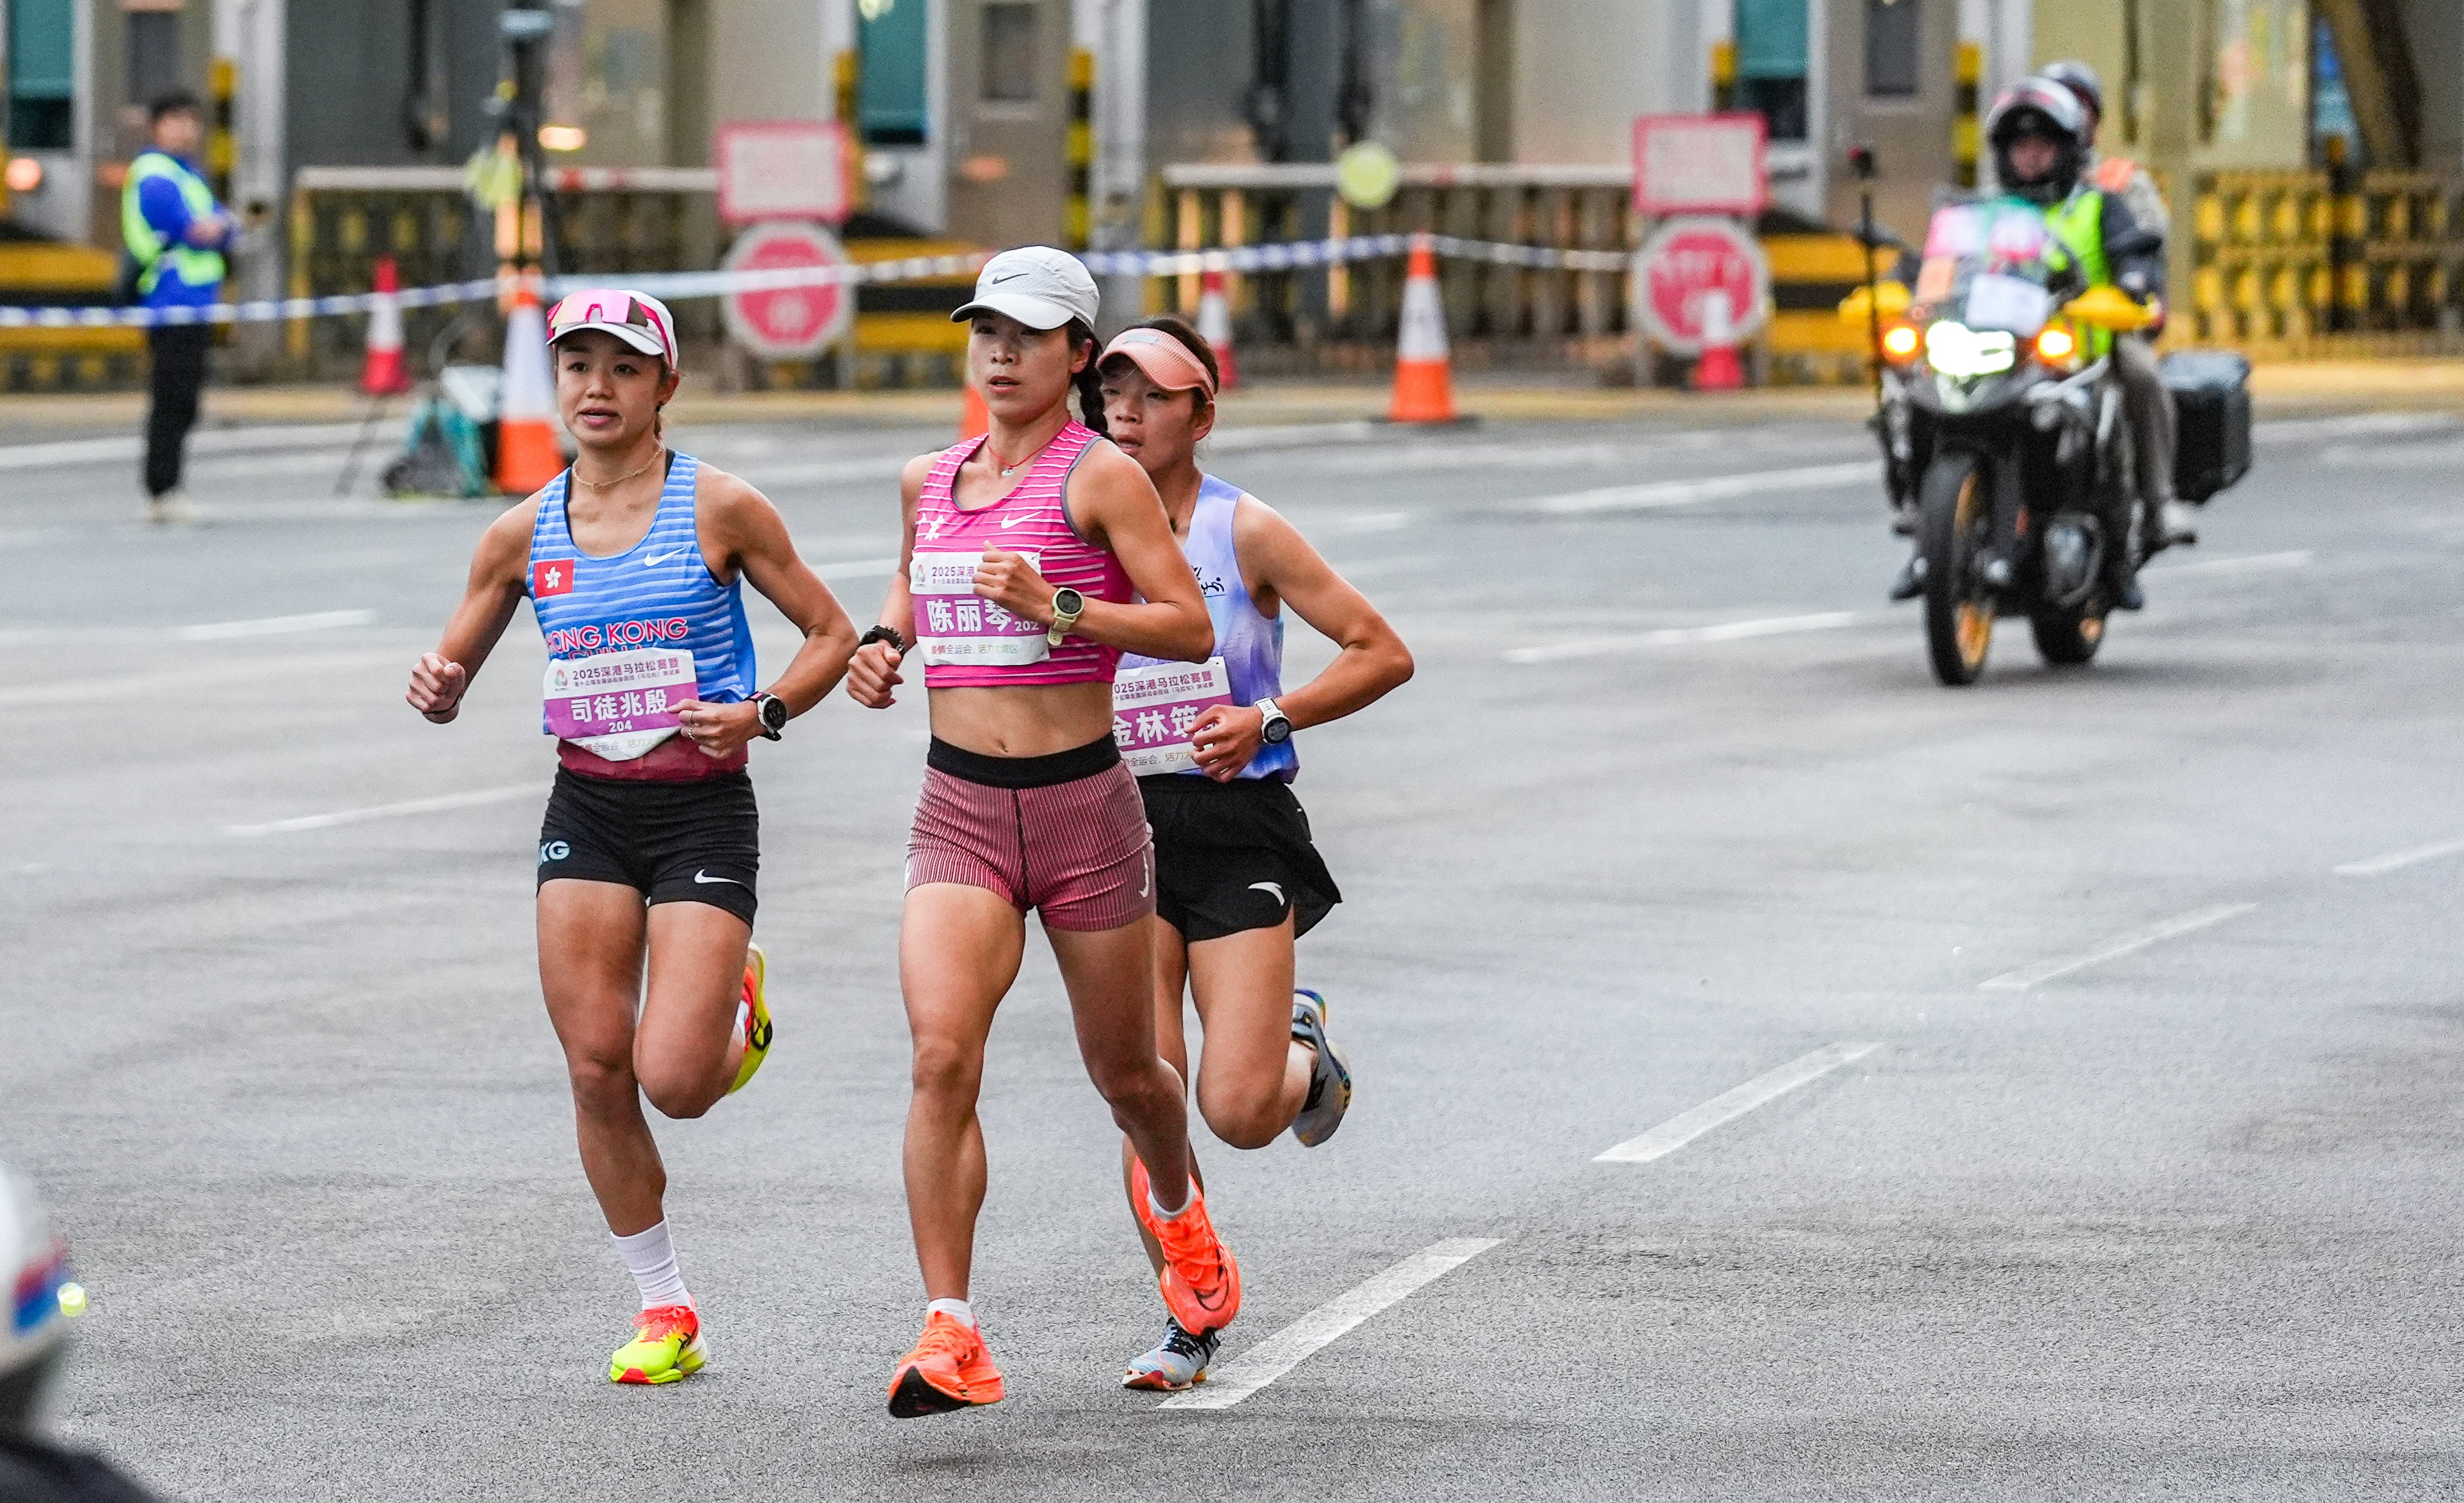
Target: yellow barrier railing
[{"x": 2322, "y": 263}]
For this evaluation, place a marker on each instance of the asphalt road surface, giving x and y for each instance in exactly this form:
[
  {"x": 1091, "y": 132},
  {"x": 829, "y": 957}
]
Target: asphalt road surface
[{"x": 2049, "y": 1088}]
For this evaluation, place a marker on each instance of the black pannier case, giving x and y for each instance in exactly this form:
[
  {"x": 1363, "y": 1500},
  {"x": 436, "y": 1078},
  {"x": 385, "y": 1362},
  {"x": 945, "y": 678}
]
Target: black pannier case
[{"x": 2211, "y": 404}]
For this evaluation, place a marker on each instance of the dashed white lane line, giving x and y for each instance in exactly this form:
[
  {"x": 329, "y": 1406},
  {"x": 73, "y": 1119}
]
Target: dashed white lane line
[
  {"x": 857, "y": 568},
  {"x": 1279, "y": 1354},
  {"x": 1679, "y": 636},
  {"x": 2394, "y": 860},
  {"x": 361, "y": 816},
  {"x": 2118, "y": 946},
  {"x": 2247, "y": 562},
  {"x": 1657, "y": 493},
  {"x": 273, "y": 626},
  {"x": 1730, "y": 1105},
  {"x": 2357, "y": 425}
]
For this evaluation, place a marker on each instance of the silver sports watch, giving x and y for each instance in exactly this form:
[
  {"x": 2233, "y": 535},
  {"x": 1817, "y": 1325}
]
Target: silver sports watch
[{"x": 1277, "y": 727}]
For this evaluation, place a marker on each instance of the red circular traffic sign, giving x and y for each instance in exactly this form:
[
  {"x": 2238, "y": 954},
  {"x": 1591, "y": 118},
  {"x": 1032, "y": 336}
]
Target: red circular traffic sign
[
  {"x": 1688, "y": 267},
  {"x": 788, "y": 322}
]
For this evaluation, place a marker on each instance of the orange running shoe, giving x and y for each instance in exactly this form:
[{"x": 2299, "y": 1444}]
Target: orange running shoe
[
  {"x": 950, "y": 1369},
  {"x": 1201, "y": 1282}
]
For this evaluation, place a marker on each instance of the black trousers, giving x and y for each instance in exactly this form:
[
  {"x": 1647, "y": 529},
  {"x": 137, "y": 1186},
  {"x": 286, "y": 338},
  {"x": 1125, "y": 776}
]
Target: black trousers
[{"x": 179, "y": 353}]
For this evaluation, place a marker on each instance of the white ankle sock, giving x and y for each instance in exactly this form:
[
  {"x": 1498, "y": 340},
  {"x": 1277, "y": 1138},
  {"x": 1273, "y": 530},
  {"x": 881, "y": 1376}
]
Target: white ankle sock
[
  {"x": 957, "y": 1310},
  {"x": 1188, "y": 1193},
  {"x": 650, "y": 1257}
]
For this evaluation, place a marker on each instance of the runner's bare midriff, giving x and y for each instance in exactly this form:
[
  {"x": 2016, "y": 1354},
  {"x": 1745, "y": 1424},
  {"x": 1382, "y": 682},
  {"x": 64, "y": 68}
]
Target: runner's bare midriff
[{"x": 1030, "y": 720}]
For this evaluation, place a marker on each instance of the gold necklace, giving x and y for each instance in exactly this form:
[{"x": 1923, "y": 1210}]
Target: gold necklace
[{"x": 601, "y": 485}]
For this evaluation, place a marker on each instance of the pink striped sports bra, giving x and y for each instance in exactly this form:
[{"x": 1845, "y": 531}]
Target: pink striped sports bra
[{"x": 969, "y": 642}]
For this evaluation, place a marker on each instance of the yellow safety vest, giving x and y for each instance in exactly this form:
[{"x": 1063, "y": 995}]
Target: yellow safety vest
[{"x": 198, "y": 266}]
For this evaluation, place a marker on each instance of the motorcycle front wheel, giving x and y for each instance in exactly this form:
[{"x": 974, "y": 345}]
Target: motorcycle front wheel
[
  {"x": 1957, "y": 527},
  {"x": 2067, "y": 641}
]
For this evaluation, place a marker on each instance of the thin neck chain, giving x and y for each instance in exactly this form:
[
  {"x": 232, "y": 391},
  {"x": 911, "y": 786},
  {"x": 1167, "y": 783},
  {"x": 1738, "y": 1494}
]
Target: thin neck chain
[{"x": 601, "y": 485}]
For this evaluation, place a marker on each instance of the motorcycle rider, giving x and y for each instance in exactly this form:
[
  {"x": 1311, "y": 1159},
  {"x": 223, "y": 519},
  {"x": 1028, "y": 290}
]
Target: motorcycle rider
[
  {"x": 2148, "y": 405},
  {"x": 33, "y": 1262},
  {"x": 2037, "y": 132}
]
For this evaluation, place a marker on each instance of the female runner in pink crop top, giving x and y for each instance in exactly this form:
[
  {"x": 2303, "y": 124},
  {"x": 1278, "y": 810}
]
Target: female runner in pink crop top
[{"x": 1032, "y": 558}]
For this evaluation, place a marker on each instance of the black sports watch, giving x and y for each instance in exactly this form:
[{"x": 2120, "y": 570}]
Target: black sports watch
[
  {"x": 773, "y": 711},
  {"x": 889, "y": 634}
]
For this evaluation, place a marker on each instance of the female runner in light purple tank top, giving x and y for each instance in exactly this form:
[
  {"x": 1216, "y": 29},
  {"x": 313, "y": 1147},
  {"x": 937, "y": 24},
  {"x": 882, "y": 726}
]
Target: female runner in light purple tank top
[{"x": 1237, "y": 878}]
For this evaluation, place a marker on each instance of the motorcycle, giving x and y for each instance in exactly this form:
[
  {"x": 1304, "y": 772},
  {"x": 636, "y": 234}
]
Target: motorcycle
[{"x": 2002, "y": 432}]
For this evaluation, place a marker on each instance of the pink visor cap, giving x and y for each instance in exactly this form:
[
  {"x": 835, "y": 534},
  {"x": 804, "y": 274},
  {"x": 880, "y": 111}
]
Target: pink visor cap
[
  {"x": 1166, "y": 361},
  {"x": 638, "y": 318}
]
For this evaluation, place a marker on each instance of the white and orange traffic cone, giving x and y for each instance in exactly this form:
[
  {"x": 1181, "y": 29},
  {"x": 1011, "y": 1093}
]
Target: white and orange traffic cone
[
  {"x": 528, "y": 455},
  {"x": 1425, "y": 385},
  {"x": 1214, "y": 328},
  {"x": 384, "y": 374},
  {"x": 974, "y": 417},
  {"x": 1717, "y": 369}
]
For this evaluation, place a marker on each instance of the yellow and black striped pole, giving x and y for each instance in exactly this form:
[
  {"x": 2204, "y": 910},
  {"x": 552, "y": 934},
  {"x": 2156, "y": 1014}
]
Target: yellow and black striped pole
[
  {"x": 1963, "y": 119},
  {"x": 1723, "y": 76},
  {"x": 1079, "y": 151},
  {"x": 848, "y": 80}
]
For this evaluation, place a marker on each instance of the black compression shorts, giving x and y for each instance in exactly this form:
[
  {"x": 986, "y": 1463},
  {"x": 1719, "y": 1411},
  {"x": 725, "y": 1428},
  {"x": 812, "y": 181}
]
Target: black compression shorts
[
  {"x": 693, "y": 842},
  {"x": 1231, "y": 856}
]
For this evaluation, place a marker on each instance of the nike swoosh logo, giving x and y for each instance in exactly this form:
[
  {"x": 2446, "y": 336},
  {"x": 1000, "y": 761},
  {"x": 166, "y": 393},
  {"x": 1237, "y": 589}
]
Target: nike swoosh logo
[
  {"x": 1009, "y": 277},
  {"x": 1146, "y": 875},
  {"x": 704, "y": 876},
  {"x": 1269, "y": 886},
  {"x": 654, "y": 561},
  {"x": 1007, "y": 522}
]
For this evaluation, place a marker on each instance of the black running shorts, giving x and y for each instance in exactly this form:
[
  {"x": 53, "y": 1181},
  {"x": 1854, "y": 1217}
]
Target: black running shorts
[
  {"x": 696, "y": 842},
  {"x": 1231, "y": 856}
]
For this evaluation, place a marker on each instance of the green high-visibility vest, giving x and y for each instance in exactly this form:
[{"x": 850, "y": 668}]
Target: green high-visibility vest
[
  {"x": 198, "y": 265},
  {"x": 2079, "y": 222}
]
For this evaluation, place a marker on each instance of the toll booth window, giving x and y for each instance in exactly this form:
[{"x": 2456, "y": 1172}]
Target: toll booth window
[
  {"x": 1009, "y": 52},
  {"x": 1770, "y": 41},
  {"x": 893, "y": 91},
  {"x": 1894, "y": 47},
  {"x": 42, "y": 75}
]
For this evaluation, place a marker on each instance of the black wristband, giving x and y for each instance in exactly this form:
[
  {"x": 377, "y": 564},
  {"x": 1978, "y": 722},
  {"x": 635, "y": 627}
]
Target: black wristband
[{"x": 889, "y": 634}]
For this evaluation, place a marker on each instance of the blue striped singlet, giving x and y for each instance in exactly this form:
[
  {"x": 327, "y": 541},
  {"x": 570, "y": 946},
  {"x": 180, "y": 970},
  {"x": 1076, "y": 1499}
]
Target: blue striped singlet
[
  {"x": 656, "y": 593},
  {"x": 1250, "y": 643}
]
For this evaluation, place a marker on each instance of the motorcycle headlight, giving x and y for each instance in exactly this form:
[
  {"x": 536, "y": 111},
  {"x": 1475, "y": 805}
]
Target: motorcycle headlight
[{"x": 1955, "y": 349}]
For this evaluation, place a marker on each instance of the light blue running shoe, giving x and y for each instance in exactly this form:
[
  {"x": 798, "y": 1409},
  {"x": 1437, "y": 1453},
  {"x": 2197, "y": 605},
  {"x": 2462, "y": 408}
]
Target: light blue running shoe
[
  {"x": 1330, "y": 1092},
  {"x": 1178, "y": 1362}
]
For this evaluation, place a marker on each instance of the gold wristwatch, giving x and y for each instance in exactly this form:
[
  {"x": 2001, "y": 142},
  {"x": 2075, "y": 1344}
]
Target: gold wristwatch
[{"x": 1067, "y": 606}]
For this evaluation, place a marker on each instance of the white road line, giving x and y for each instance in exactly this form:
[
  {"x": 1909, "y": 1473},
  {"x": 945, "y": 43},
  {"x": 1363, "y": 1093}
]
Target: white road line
[
  {"x": 2394, "y": 860},
  {"x": 1679, "y": 636},
  {"x": 2118, "y": 946},
  {"x": 1711, "y": 488},
  {"x": 1730, "y": 1105},
  {"x": 361, "y": 816},
  {"x": 2374, "y": 424},
  {"x": 2296, "y": 558},
  {"x": 336, "y": 436},
  {"x": 2392, "y": 456},
  {"x": 1279, "y": 1354},
  {"x": 271, "y": 626}
]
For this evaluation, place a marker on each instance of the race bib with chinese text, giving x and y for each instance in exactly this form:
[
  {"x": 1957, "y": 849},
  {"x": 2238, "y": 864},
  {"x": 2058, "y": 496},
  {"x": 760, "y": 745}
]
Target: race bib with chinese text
[
  {"x": 956, "y": 626},
  {"x": 618, "y": 704},
  {"x": 1154, "y": 708}
]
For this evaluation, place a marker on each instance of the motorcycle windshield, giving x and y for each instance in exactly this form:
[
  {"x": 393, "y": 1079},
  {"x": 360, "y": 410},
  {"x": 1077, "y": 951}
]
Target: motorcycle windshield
[{"x": 1991, "y": 266}]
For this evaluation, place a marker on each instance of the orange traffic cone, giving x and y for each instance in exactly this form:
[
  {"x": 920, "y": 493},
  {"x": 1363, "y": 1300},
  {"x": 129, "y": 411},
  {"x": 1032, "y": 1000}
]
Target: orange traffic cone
[
  {"x": 528, "y": 455},
  {"x": 974, "y": 417},
  {"x": 1717, "y": 367},
  {"x": 385, "y": 374},
  {"x": 1424, "y": 387},
  {"x": 1214, "y": 328}
]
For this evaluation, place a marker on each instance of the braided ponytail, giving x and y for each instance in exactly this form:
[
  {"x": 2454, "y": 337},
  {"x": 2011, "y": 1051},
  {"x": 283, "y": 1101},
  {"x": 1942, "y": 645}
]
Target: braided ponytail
[{"x": 1087, "y": 381}]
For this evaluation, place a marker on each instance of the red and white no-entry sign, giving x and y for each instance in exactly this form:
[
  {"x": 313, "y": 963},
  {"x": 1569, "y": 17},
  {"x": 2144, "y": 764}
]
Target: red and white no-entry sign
[
  {"x": 1700, "y": 282},
  {"x": 788, "y": 322}
]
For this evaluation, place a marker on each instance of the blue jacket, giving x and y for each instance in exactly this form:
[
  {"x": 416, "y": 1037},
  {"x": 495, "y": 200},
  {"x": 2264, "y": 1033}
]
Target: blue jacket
[{"x": 158, "y": 200}]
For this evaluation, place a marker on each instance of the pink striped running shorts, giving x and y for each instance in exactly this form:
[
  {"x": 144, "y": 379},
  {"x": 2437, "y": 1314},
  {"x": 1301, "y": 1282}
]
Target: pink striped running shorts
[{"x": 1065, "y": 834}]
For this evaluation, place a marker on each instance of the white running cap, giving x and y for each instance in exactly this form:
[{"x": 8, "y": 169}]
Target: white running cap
[{"x": 1037, "y": 285}]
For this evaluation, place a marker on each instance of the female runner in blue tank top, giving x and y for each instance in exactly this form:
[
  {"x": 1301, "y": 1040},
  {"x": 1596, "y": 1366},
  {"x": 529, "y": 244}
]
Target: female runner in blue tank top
[
  {"x": 1237, "y": 878},
  {"x": 634, "y": 562}
]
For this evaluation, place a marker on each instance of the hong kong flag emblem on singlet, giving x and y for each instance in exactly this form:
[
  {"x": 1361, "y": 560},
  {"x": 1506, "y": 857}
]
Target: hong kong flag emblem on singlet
[{"x": 551, "y": 577}]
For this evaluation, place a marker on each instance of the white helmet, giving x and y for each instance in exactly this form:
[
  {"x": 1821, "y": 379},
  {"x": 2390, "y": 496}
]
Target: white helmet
[{"x": 35, "y": 1263}]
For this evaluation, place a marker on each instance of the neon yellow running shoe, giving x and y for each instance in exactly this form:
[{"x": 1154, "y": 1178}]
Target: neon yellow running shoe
[
  {"x": 666, "y": 1348},
  {"x": 752, "y": 1017}
]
